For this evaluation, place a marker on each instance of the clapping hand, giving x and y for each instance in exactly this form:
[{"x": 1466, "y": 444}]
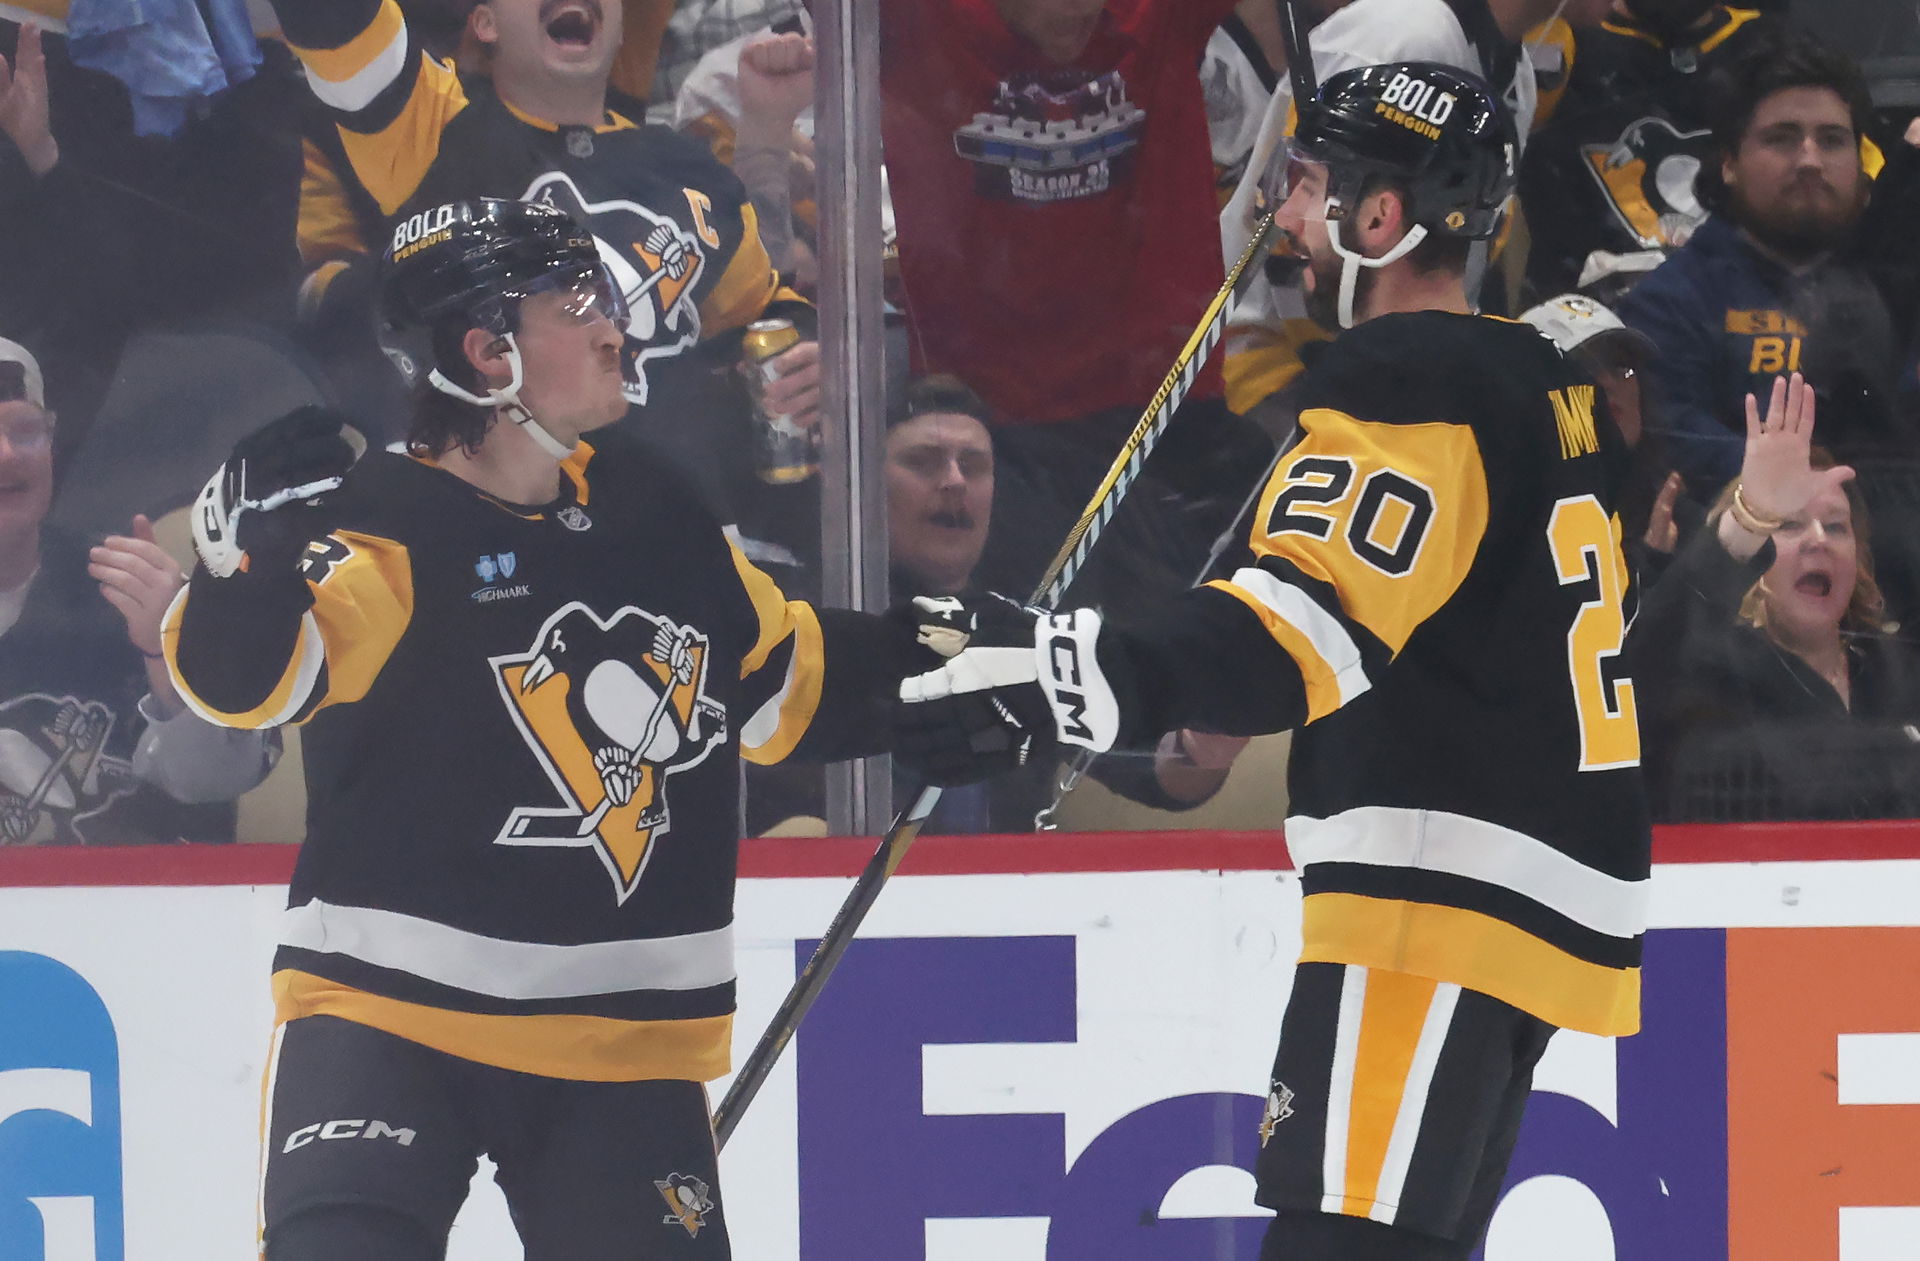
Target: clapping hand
[{"x": 138, "y": 578}]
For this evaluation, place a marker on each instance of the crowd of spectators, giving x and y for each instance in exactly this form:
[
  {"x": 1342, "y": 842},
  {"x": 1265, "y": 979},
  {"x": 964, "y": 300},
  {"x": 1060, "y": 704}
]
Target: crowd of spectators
[{"x": 1712, "y": 198}]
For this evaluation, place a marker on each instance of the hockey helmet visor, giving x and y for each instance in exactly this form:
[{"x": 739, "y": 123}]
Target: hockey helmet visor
[{"x": 472, "y": 263}]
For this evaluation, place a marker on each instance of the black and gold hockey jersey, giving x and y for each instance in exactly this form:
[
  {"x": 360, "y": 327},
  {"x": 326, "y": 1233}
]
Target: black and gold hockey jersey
[
  {"x": 1437, "y": 601},
  {"x": 674, "y": 225},
  {"x": 522, "y": 743},
  {"x": 1612, "y": 170}
]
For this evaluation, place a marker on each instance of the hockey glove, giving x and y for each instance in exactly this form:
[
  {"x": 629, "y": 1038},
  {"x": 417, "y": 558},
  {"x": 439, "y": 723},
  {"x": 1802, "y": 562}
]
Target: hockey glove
[
  {"x": 265, "y": 504},
  {"x": 1016, "y": 682}
]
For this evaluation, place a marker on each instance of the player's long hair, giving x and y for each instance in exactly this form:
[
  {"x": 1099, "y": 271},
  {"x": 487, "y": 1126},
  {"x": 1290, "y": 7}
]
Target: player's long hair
[{"x": 442, "y": 422}]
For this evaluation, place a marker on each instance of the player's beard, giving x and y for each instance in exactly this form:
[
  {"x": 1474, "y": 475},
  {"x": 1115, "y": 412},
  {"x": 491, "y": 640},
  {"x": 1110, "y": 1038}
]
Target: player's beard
[
  {"x": 1804, "y": 231},
  {"x": 1323, "y": 296}
]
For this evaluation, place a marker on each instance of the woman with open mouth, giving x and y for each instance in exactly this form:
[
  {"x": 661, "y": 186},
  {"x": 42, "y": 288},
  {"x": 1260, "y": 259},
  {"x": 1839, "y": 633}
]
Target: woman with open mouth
[{"x": 1773, "y": 686}]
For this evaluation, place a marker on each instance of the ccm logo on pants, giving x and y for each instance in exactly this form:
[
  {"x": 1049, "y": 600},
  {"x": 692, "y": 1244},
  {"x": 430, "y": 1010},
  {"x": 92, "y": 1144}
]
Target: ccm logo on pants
[{"x": 346, "y": 1129}]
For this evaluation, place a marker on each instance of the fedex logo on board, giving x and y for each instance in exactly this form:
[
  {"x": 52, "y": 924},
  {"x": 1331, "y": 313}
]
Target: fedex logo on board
[
  {"x": 1763, "y": 1112},
  {"x": 60, "y": 1192}
]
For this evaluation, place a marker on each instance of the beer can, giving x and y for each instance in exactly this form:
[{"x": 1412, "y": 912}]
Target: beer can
[{"x": 783, "y": 451}]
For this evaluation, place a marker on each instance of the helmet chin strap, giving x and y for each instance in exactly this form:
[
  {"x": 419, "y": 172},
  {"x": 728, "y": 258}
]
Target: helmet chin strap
[
  {"x": 1352, "y": 263},
  {"x": 506, "y": 399}
]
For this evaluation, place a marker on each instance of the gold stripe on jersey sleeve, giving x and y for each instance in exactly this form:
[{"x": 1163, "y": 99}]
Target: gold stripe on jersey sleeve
[
  {"x": 1476, "y": 952},
  {"x": 577, "y": 1048},
  {"x": 327, "y": 228},
  {"x": 746, "y": 287},
  {"x": 781, "y": 619},
  {"x": 391, "y": 162},
  {"x": 362, "y": 604},
  {"x": 289, "y": 695},
  {"x": 1442, "y": 459},
  {"x": 1322, "y": 679},
  {"x": 799, "y": 695},
  {"x": 337, "y": 65},
  {"x": 1392, "y": 1014},
  {"x": 769, "y": 607}
]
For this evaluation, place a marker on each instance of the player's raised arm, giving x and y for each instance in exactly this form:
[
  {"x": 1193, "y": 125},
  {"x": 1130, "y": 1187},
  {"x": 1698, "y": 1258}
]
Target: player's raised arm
[
  {"x": 391, "y": 100},
  {"x": 248, "y": 639}
]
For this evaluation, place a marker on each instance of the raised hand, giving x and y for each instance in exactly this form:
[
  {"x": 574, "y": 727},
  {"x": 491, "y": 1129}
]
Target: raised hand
[
  {"x": 23, "y": 103},
  {"x": 267, "y": 501},
  {"x": 1777, "y": 479},
  {"x": 776, "y": 84}
]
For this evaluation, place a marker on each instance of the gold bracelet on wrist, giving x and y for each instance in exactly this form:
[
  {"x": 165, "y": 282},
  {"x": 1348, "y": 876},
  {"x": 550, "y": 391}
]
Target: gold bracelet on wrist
[{"x": 1747, "y": 519}]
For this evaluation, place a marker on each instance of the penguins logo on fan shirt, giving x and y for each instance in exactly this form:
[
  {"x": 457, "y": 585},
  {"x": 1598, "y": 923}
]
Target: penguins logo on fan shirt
[
  {"x": 54, "y": 770},
  {"x": 1647, "y": 177},
  {"x": 612, "y": 709},
  {"x": 656, "y": 263}
]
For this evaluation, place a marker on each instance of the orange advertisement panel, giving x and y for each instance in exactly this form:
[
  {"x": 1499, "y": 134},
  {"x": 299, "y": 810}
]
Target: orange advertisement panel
[{"x": 1816, "y": 1018}]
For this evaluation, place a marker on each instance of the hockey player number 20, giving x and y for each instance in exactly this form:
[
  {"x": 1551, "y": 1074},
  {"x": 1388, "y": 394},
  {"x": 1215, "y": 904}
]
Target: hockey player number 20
[{"x": 1581, "y": 537}]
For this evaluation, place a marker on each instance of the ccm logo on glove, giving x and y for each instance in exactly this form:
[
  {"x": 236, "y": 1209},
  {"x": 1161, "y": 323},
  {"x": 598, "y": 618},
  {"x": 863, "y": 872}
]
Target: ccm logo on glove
[{"x": 1084, "y": 710}]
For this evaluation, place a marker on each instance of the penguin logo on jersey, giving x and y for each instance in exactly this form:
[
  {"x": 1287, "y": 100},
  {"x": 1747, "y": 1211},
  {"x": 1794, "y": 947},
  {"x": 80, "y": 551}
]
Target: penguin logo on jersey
[
  {"x": 1647, "y": 177},
  {"x": 612, "y": 709},
  {"x": 656, "y": 262}
]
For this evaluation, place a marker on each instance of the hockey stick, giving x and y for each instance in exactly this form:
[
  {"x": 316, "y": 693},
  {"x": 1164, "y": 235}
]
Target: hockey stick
[
  {"x": 1301, "y": 78},
  {"x": 1299, "y": 57},
  {"x": 1047, "y": 819},
  {"x": 906, "y": 828}
]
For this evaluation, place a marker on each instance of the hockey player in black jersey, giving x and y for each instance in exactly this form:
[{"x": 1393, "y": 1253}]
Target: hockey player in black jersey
[
  {"x": 1437, "y": 603},
  {"x": 528, "y": 663}
]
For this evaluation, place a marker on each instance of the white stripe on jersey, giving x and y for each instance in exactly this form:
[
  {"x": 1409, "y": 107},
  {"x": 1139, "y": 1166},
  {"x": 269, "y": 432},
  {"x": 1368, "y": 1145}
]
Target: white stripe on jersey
[
  {"x": 765, "y": 723},
  {"x": 509, "y": 969},
  {"x": 1433, "y": 840},
  {"x": 355, "y": 92},
  {"x": 1322, "y": 629},
  {"x": 310, "y": 653}
]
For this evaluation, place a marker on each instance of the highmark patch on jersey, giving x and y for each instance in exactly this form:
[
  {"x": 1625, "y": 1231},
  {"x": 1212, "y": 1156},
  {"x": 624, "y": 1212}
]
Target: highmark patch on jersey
[
  {"x": 612, "y": 708},
  {"x": 658, "y": 271}
]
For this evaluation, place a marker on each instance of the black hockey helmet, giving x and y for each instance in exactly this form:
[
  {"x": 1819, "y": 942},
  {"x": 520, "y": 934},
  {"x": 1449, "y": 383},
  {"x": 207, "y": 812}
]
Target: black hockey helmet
[
  {"x": 1439, "y": 132},
  {"x": 469, "y": 264}
]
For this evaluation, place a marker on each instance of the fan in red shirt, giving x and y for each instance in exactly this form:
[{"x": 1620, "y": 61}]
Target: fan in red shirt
[{"x": 1052, "y": 186}]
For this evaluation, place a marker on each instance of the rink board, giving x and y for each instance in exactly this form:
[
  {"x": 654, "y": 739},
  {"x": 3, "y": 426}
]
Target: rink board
[{"x": 1041, "y": 1049}]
